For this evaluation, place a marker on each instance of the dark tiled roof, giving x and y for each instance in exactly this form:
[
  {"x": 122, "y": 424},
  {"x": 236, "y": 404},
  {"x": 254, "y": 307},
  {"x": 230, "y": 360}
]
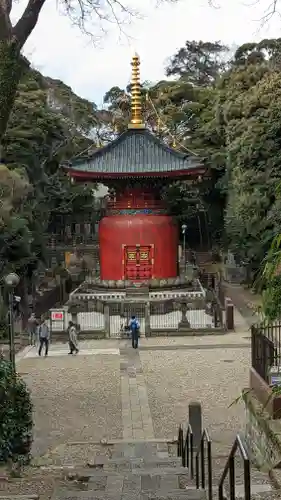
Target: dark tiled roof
[{"x": 133, "y": 152}]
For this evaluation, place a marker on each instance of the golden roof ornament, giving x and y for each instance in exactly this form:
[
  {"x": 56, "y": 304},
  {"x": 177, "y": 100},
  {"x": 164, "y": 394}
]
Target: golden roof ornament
[
  {"x": 136, "y": 121},
  {"x": 158, "y": 125}
]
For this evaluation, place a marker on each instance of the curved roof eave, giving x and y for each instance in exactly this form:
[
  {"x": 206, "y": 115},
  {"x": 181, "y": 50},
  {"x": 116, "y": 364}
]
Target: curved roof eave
[{"x": 116, "y": 142}]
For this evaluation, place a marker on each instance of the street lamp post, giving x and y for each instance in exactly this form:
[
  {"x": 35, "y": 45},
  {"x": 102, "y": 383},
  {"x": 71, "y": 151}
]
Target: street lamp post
[
  {"x": 11, "y": 281},
  {"x": 184, "y": 228}
]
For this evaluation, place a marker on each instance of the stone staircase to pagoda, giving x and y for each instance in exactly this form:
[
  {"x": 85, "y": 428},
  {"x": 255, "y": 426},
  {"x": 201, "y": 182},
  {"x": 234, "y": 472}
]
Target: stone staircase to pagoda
[
  {"x": 132, "y": 470},
  {"x": 127, "y": 471},
  {"x": 151, "y": 470}
]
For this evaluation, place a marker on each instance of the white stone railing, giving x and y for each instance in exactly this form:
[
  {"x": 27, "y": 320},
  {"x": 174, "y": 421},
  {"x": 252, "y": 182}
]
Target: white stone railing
[
  {"x": 175, "y": 295},
  {"x": 152, "y": 296},
  {"x": 93, "y": 296}
]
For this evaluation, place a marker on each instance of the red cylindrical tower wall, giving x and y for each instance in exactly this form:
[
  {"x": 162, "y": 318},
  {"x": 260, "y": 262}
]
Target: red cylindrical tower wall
[{"x": 118, "y": 231}]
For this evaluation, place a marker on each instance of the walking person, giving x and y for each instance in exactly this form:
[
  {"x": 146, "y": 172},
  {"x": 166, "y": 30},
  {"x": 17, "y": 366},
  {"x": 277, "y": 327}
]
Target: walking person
[
  {"x": 44, "y": 337},
  {"x": 72, "y": 338},
  {"x": 135, "y": 329},
  {"x": 32, "y": 325}
]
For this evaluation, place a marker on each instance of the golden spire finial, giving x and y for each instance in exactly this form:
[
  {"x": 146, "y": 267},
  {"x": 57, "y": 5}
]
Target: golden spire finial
[
  {"x": 158, "y": 125},
  {"x": 136, "y": 104}
]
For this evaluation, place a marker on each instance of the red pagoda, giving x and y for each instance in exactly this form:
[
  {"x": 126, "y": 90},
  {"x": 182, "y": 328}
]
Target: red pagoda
[{"x": 138, "y": 239}]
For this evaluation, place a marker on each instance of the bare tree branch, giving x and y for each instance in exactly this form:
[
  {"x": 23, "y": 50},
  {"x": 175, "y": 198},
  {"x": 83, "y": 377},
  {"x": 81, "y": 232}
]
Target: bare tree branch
[
  {"x": 28, "y": 21},
  {"x": 104, "y": 11},
  {"x": 269, "y": 12}
]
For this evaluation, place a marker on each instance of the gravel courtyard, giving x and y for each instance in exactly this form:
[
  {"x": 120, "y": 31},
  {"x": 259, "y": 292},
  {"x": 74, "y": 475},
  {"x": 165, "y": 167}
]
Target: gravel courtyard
[
  {"x": 94, "y": 396},
  {"x": 214, "y": 377},
  {"x": 75, "y": 398}
]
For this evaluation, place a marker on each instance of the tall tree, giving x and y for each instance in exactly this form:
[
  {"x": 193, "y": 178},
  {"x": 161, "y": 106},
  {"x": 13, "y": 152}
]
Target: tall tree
[
  {"x": 48, "y": 124},
  {"x": 250, "y": 111},
  {"x": 198, "y": 62}
]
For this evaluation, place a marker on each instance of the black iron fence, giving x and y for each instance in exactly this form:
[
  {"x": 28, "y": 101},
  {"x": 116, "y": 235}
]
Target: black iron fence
[
  {"x": 202, "y": 458},
  {"x": 202, "y": 470},
  {"x": 186, "y": 449},
  {"x": 204, "y": 479},
  {"x": 265, "y": 348},
  {"x": 229, "y": 470}
]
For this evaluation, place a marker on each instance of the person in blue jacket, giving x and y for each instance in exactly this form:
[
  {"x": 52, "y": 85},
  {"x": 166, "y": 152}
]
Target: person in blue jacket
[{"x": 135, "y": 329}]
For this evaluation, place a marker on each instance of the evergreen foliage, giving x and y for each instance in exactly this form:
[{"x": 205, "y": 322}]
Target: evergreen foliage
[
  {"x": 15, "y": 416},
  {"x": 48, "y": 124}
]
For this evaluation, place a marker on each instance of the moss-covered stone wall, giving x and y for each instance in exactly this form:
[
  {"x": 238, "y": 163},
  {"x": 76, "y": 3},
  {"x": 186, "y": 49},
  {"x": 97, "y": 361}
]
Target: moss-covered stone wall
[{"x": 262, "y": 434}]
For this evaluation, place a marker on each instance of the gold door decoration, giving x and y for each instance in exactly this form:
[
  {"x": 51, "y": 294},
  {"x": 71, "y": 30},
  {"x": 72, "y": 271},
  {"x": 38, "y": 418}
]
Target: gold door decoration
[
  {"x": 144, "y": 255},
  {"x": 131, "y": 255}
]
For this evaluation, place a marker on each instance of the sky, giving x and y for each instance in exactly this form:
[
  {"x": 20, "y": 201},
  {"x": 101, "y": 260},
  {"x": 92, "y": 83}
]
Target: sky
[{"x": 91, "y": 67}]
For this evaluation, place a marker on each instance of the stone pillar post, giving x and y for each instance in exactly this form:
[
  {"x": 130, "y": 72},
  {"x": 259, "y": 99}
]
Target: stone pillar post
[
  {"x": 229, "y": 314},
  {"x": 195, "y": 421},
  {"x": 106, "y": 313},
  {"x": 146, "y": 320}
]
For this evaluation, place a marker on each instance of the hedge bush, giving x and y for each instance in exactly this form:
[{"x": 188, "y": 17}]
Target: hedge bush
[{"x": 15, "y": 416}]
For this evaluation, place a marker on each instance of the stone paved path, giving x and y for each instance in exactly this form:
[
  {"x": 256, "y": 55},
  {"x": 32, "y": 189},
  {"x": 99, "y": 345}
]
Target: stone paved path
[
  {"x": 245, "y": 302},
  {"x": 136, "y": 416},
  {"x": 63, "y": 351}
]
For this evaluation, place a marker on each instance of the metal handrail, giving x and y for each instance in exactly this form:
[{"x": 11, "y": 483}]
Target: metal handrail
[
  {"x": 185, "y": 449},
  {"x": 186, "y": 452},
  {"x": 180, "y": 441},
  {"x": 230, "y": 468},
  {"x": 200, "y": 464}
]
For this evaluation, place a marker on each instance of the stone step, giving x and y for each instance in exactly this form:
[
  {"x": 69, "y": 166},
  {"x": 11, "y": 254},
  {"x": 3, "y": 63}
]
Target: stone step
[
  {"x": 19, "y": 497},
  {"x": 106, "y": 462},
  {"x": 122, "y": 493},
  {"x": 140, "y": 476},
  {"x": 90, "y": 474},
  {"x": 163, "y": 471},
  {"x": 188, "y": 494},
  {"x": 141, "y": 449}
]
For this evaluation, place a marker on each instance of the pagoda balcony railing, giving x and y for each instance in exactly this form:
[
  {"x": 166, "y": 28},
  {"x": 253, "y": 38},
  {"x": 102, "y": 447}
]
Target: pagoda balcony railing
[{"x": 141, "y": 204}]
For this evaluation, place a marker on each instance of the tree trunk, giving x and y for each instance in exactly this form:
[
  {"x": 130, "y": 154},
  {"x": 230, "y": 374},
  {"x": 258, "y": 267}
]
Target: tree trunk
[{"x": 12, "y": 65}]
